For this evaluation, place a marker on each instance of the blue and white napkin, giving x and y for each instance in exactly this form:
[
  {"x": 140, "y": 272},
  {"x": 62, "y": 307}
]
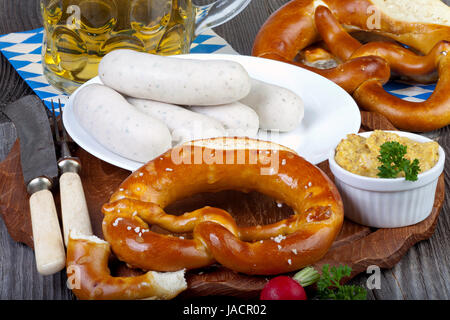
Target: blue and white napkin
[{"x": 23, "y": 50}]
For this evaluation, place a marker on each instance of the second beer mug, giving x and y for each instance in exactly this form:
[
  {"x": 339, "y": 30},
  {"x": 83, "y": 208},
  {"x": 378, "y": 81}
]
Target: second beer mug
[{"x": 78, "y": 33}]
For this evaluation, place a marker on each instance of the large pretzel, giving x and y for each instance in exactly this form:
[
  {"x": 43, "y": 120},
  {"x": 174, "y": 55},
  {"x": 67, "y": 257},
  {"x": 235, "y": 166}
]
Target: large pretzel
[
  {"x": 366, "y": 67},
  {"x": 277, "y": 248}
]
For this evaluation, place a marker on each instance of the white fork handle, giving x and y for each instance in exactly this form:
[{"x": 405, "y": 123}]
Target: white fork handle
[
  {"x": 48, "y": 243},
  {"x": 75, "y": 214}
]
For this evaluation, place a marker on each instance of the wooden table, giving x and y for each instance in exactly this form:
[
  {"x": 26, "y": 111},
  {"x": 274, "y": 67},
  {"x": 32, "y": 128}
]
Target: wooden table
[{"x": 424, "y": 273}]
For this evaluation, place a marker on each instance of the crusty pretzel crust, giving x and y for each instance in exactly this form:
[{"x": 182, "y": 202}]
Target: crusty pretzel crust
[
  {"x": 90, "y": 279},
  {"x": 366, "y": 68},
  {"x": 281, "y": 247}
]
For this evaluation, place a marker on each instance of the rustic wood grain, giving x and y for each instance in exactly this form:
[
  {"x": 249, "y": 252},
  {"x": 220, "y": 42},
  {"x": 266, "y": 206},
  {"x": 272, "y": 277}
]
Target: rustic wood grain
[
  {"x": 356, "y": 246},
  {"x": 424, "y": 272}
]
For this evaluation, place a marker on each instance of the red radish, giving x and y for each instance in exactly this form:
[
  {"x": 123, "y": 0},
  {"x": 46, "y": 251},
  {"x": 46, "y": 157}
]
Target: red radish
[{"x": 283, "y": 288}]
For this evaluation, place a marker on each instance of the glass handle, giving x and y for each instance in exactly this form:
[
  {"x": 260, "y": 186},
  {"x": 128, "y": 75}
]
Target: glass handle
[{"x": 217, "y": 13}]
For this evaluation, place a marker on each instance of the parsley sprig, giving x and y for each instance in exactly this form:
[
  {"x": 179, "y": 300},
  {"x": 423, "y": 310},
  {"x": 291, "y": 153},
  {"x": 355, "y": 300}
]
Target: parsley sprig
[
  {"x": 393, "y": 161},
  {"x": 329, "y": 285}
]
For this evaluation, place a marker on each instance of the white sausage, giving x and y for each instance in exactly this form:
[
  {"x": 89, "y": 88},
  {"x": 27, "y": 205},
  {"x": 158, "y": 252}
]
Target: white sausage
[
  {"x": 238, "y": 119},
  {"x": 174, "y": 80},
  {"x": 278, "y": 108},
  {"x": 184, "y": 125},
  {"x": 118, "y": 126}
]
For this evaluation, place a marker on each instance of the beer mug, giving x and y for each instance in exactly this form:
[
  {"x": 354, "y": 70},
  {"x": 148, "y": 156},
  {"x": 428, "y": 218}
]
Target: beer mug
[{"x": 78, "y": 33}]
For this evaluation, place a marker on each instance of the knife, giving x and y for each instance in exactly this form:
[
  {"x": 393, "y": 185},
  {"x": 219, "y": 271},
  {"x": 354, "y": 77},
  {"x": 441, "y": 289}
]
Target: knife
[{"x": 39, "y": 167}]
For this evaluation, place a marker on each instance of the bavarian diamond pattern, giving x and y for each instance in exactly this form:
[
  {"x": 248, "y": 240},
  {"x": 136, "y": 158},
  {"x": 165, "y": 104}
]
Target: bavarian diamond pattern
[{"x": 23, "y": 50}]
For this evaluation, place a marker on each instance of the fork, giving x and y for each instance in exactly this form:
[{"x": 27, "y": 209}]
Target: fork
[{"x": 74, "y": 211}]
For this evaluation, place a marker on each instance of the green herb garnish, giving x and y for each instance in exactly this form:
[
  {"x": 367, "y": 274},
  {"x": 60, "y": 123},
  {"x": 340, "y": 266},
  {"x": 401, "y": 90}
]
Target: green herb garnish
[
  {"x": 393, "y": 162},
  {"x": 329, "y": 285},
  {"x": 307, "y": 276}
]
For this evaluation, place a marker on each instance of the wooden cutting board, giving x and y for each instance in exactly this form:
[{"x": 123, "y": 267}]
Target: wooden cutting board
[{"x": 356, "y": 246}]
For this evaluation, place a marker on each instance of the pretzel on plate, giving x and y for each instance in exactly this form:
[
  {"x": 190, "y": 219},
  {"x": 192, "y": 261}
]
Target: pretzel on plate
[
  {"x": 365, "y": 68},
  {"x": 215, "y": 165}
]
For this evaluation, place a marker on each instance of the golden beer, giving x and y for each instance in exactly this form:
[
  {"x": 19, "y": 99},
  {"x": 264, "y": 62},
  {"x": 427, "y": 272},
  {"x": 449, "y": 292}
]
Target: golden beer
[{"x": 78, "y": 33}]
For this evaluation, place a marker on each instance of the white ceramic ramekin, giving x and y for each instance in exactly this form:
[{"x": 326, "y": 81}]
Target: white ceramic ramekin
[{"x": 388, "y": 203}]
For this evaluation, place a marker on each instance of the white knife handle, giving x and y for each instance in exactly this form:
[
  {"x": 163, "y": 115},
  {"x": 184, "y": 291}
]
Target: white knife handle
[
  {"x": 75, "y": 214},
  {"x": 48, "y": 243}
]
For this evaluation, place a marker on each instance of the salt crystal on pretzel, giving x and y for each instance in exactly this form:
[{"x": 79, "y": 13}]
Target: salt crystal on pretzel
[
  {"x": 306, "y": 235},
  {"x": 89, "y": 276}
]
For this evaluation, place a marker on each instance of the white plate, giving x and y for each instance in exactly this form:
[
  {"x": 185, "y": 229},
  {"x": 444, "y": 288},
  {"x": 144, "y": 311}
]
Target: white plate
[{"x": 330, "y": 113}]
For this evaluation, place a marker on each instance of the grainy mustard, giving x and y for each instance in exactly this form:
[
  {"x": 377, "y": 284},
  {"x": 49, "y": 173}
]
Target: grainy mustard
[{"x": 359, "y": 155}]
